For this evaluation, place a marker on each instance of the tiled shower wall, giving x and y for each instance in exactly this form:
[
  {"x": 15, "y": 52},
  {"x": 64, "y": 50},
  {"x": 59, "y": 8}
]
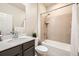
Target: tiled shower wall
[{"x": 59, "y": 27}]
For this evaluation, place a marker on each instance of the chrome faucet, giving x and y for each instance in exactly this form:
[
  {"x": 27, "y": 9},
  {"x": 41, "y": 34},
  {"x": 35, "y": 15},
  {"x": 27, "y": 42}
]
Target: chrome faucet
[{"x": 14, "y": 33}]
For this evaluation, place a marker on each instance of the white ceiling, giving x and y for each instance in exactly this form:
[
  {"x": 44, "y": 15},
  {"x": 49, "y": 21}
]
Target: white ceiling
[
  {"x": 22, "y": 7},
  {"x": 18, "y": 5}
]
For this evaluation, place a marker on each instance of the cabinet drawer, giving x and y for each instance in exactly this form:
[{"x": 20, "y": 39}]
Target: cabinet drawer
[
  {"x": 28, "y": 44},
  {"x": 19, "y": 54},
  {"x": 12, "y": 51},
  {"x": 29, "y": 52}
]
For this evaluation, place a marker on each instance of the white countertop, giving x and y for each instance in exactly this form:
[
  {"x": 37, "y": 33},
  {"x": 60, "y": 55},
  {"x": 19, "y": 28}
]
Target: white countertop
[{"x": 14, "y": 42}]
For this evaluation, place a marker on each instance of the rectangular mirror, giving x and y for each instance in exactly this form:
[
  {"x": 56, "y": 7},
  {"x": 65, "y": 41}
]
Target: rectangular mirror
[{"x": 5, "y": 23}]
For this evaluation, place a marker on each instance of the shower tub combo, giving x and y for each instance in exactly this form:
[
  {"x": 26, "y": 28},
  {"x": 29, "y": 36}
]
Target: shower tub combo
[{"x": 57, "y": 48}]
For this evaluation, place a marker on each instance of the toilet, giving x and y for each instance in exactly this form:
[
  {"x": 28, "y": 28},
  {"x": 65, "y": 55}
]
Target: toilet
[{"x": 40, "y": 49}]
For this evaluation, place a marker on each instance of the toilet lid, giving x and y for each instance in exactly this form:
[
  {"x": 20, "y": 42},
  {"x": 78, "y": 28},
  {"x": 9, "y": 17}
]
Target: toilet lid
[{"x": 42, "y": 48}]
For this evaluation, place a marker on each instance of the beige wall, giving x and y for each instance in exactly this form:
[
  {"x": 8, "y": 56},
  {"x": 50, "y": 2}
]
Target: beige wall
[
  {"x": 41, "y": 19},
  {"x": 59, "y": 28},
  {"x": 78, "y": 17},
  {"x": 18, "y": 14},
  {"x": 31, "y": 18},
  {"x": 41, "y": 8},
  {"x": 56, "y": 6},
  {"x": 33, "y": 22}
]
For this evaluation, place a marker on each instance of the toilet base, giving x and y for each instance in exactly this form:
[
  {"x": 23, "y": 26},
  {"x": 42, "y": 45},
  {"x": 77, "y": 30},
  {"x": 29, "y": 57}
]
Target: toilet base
[{"x": 38, "y": 54}]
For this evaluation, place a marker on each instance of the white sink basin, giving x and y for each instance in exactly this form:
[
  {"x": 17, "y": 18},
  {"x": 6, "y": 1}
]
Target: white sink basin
[
  {"x": 9, "y": 41},
  {"x": 14, "y": 40},
  {"x": 6, "y": 40}
]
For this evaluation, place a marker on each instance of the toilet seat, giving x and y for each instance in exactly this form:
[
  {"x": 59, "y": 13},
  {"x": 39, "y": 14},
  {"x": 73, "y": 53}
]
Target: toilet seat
[{"x": 41, "y": 49}]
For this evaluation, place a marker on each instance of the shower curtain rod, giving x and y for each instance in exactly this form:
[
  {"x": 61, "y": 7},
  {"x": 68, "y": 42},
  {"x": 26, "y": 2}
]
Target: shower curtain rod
[{"x": 56, "y": 9}]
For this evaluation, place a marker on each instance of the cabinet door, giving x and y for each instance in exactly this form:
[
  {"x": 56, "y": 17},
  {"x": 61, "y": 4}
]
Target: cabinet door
[
  {"x": 12, "y": 51},
  {"x": 19, "y": 54},
  {"x": 29, "y": 52},
  {"x": 28, "y": 45}
]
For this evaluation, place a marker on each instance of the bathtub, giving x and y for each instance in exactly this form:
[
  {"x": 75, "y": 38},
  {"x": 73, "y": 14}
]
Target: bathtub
[{"x": 57, "y": 48}]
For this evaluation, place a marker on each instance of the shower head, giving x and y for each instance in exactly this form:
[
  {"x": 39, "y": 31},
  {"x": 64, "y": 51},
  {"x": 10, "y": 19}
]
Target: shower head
[{"x": 48, "y": 14}]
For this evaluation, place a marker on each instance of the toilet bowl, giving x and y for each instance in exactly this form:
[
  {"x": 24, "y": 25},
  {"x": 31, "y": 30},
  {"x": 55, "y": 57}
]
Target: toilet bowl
[{"x": 41, "y": 50}]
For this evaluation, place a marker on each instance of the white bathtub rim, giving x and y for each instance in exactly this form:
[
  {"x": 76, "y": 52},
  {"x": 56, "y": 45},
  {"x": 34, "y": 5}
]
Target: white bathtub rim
[{"x": 66, "y": 47}]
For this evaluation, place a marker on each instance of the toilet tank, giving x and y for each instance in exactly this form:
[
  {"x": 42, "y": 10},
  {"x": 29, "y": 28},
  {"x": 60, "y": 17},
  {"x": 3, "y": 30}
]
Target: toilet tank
[{"x": 36, "y": 41}]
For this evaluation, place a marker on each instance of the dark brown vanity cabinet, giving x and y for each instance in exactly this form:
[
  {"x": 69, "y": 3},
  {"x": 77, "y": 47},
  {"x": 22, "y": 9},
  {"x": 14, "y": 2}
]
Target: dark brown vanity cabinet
[
  {"x": 12, "y": 51},
  {"x": 25, "y": 49},
  {"x": 29, "y": 49},
  {"x": 29, "y": 52}
]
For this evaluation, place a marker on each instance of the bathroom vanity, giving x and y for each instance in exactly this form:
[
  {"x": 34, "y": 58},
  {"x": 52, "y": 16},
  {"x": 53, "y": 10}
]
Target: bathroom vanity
[{"x": 18, "y": 47}]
